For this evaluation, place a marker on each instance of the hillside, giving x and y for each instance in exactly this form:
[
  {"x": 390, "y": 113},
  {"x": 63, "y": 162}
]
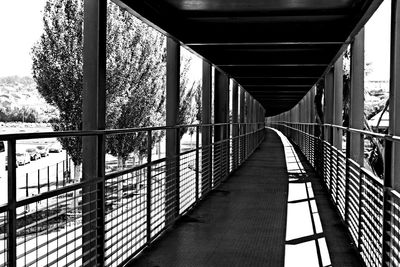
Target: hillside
[{"x": 20, "y": 93}]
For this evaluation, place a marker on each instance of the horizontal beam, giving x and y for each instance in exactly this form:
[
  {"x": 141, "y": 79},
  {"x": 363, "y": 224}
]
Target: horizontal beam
[
  {"x": 274, "y": 71},
  {"x": 276, "y": 81},
  {"x": 272, "y": 65},
  {"x": 279, "y": 86},
  {"x": 270, "y": 11},
  {"x": 267, "y": 43}
]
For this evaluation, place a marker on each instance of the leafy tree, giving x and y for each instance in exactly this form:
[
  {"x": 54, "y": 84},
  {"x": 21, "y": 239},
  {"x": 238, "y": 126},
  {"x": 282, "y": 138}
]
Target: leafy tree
[
  {"x": 135, "y": 82},
  {"x": 190, "y": 98},
  {"x": 58, "y": 69},
  {"x": 135, "y": 76}
]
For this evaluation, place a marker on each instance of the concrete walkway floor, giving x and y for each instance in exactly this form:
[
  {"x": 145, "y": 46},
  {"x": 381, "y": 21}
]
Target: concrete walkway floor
[{"x": 273, "y": 211}]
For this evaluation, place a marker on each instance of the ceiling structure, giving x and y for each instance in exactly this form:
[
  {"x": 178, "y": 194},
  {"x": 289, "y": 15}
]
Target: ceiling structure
[{"x": 276, "y": 49}]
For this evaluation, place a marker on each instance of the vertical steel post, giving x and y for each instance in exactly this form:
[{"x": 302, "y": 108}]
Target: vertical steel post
[
  {"x": 235, "y": 126},
  {"x": 12, "y": 199},
  {"x": 394, "y": 108},
  {"x": 338, "y": 102},
  {"x": 197, "y": 167},
  {"x": 172, "y": 135},
  {"x": 221, "y": 113},
  {"x": 206, "y": 169},
  {"x": 312, "y": 113},
  {"x": 392, "y": 149},
  {"x": 148, "y": 187},
  {"x": 329, "y": 97},
  {"x": 242, "y": 121},
  {"x": 356, "y": 116},
  {"x": 93, "y": 118}
]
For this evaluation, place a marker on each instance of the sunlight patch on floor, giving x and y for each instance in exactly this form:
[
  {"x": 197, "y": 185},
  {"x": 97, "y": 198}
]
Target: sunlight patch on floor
[{"x": 305, "y": 241}]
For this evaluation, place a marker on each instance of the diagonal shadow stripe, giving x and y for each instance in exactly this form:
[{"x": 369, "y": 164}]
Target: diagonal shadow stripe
[
  {"x": 300, "y": 200},
  {"x": 304, "y": 239}
]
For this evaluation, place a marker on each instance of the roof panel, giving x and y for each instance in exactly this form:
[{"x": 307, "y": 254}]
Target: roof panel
[
  {"x": 276, "y": 49},
  {"x": 257, "y": 5}
]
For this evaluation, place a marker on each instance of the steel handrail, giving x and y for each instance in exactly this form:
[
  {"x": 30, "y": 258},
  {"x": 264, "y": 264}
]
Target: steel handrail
[{"x": 24, "y": 136}]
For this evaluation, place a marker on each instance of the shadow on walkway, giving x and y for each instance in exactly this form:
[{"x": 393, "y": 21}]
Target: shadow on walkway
[{"x": 268, "y": 213}]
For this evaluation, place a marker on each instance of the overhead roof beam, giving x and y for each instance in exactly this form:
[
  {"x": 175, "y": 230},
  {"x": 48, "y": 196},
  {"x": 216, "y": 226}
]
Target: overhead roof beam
[
  {"x": 265, "y": 43},
  {"x": 273, "y": 65}
]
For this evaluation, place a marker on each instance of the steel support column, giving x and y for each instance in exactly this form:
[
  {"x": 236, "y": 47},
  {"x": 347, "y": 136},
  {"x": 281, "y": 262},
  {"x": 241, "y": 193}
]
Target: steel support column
[
  {"x": 356, "y": 115},
  {"x": 329, "y": 98},
  {"x": 338, "y": 102},
  {"x": 172, "y": 135},
  {"x": 235, "y": 126},
  {"x": 394, "y": 108},
  {"x": 392, "y": 148},
  {"x": 206, "y": 131},
  {"x": 93, "y": 118},
  {"x": 221, "y": 113},
  {"x": 242, "y": 121},
  {"x": 312, "y": 113}
]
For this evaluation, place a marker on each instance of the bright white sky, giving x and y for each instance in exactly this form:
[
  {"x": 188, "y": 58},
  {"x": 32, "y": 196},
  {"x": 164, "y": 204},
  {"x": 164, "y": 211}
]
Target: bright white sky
[
  {"x": 377, "y": 43},
  {"x": 21, "y": 25}
]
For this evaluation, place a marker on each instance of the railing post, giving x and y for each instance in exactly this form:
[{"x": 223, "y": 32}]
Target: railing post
[
  {"x": 360, "y": 210},
  {"x": 148, "y": 186},
  {"x": 197, "y": 163},
  {"x": 12, "y": 199},
  {"x": 101, "y": 209},
  {"x": 387, "y": 209},
  {"x": 347, "y": 178},
  {"x": 331, "y": 148}
]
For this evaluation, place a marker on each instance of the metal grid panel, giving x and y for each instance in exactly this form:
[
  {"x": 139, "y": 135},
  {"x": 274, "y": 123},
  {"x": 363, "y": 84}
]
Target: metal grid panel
[
  {"x": 327, "y": 163},
  {"x": 217, "y": 164},
  {"x": 333, "y": 171},
  {"x": 3, "y": 239},
  {"x": 206, "y": 170},
  {"x": 158, "y": 189},
  {"x": 341, "y": 184},
  {"x": 353, "y": 210},
  {"x": 242, "y": 148},
  {"x": 187, "y": 180},
  {"x": 393, "y": 254},
  {"x": 371, "y": 220},
  {"x": 225, "y": 159},
  {"x": 125, "y": 219},
  {"x": 49, "y": 231}
]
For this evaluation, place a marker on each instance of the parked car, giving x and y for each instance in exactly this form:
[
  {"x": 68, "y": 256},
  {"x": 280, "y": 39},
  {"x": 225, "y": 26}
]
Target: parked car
[
  {"x": 6, "y": 163},
  {"x": 33, "y": 153},
  {"x": 23, "y": 158},
  {"x": 55, "y": 148},
  {"x": 43, "y": 150}
]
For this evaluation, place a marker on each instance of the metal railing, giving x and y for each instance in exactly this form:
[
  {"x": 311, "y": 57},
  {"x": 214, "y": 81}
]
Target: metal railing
[
  {"x": 367, "y": 205},
  {"x": 109, "y": 220}
]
